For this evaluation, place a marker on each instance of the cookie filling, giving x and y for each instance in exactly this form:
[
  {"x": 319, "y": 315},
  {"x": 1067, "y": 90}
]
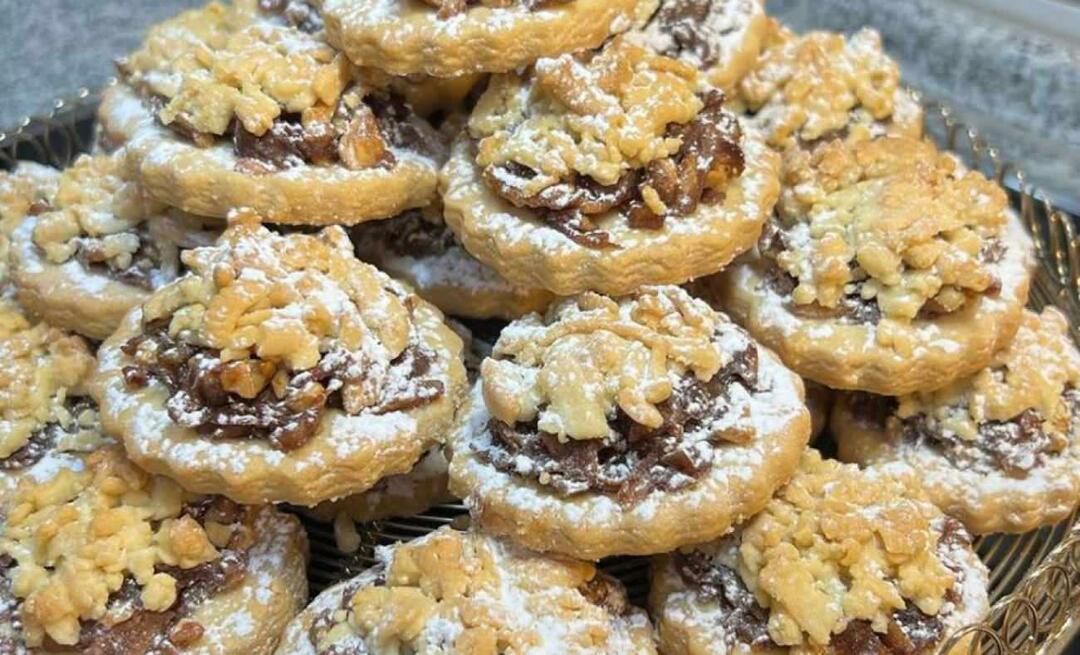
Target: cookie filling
[
  {"x": 451, "y": 8},
  {"x": 910, "y": 631},
  {"x": 1014, "y": 447},
  {"x": 246, "y": 399},
  {"x": 693, "y": 30},
  {"x": 409, "y": 235},
  {"x": 297, "y": 13},
  {"x": 666, "y": 188},
  {"x": 79, "y": 412},
  {"x": 138, "y": 268},
  {"x": 633, "y": 460},
  {"x": 128, "y": 626},
  {"x": 857, "y": 304}
]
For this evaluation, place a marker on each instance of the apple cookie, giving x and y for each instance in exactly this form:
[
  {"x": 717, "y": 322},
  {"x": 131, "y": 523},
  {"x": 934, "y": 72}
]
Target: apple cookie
[
  {"x": 841, "y": 561},
  {"x": 99, "y": 248},
  {"x": 448, "y": 38},
  {"x": 625, "y": 426},
  {"x": 721, "y": 38},
  {"x": 463, "y": 592},
  {"x": 419, "y": 249},
  {"x": 999, "y": 450},
  {"x": 44, "y": 413},
  {"x": 233, "y": 106},
  {"x": 108, "y": 559},
  {"x": 606, "y": 172},
  {"x": 887, "y": 268},
  {"x": 819, "y": 86},
  {"x": 281, "y": 369}
]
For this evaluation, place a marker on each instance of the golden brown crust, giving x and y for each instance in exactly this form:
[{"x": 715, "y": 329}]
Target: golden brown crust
[
  {"x": 890, "y": 358},
  {"x": 203, "y": 181},
  {"x": 405, "y": 37},
  {"x": 773, "y": 423},
  {"x": 473, "y": 594},
  {"x": 348, "y": 453}
]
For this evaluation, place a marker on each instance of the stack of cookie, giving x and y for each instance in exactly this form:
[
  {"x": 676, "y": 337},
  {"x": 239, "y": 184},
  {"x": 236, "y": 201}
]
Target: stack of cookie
[{"x": 241, "y": 301}]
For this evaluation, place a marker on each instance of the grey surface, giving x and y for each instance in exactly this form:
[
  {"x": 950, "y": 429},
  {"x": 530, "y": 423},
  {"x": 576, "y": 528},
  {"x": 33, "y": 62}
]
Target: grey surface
[{"x": 1013, "y": 72}]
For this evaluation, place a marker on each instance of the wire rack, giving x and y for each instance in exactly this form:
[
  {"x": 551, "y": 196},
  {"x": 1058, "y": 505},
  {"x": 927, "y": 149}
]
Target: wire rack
[{"x": 1035, "y": 577}]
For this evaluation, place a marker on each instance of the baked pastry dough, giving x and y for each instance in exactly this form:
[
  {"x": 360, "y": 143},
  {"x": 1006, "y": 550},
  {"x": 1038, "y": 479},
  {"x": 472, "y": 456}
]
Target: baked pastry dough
[
  {"x": 606, "y": 172},
  {"x": 418, "y": 249},
  {"x": 446, "y": 38},
  {"x": 631, "y": 425},
  {"x": 230, "y": 106},
  {"x": 841, "y": 561},
  {"x": 463, "y": 592},
  {"x": 818, "y": 86},
  {"x": 43, "y": 412},
  {"x": 999, "y": 450},
  {"x": 282, "y": 369},
  {"x": 888, "y": 268},
  {"x": 26, "y": 190},
  {"x": 106, "y": 558},
  {"x": 99, "y": 248},
  {"x": 721, "y": 38}
]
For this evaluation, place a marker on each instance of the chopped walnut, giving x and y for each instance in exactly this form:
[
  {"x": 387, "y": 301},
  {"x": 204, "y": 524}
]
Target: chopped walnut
[
  {"x": 227, "y": 61},
  {"x": 1032, "y": 373},
  {"x": 836, "y": 546},
  {"x": 597, "y": 115},
  {"x": 810, "y": 87},
  {"x": 42, "y": 366},
  {"x": 78, "y": 536},
  {"x": 489, "y": 598},
  {"x": 892, "y": 219},
  {"x": 570, "y": 368}
]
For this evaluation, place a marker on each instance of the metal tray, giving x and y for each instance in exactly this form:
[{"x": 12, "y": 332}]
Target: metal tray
[{"x": 1034, "y": 577}]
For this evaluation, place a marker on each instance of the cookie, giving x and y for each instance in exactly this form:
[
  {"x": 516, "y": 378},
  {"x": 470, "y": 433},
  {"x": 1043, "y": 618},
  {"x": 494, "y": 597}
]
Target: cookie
[
  {"x": 606, "y": 172},
  {"x": 448, "y": 38},
  {"x": 819, "y": 400},
  {"x": 464, "y": 592},
  {"x": 106, "y": 558},
  {"x": 99, "y": 248},
  {"x": 721, "y": 38},
  {"x": 232, "y": 106},
  {"x": 626, "y": 426},
  {"x": 43, "y": 409},
  {"x": 887, "y": 268},
  {"x": 418, "y": 248},
  {"x": 281, "y": 369},
  {"x": 841, "y": 561},
  {"x": 811, "y": 88},
  {"x": 999, "y": 450},
  {"x": 26, "y": 190}
]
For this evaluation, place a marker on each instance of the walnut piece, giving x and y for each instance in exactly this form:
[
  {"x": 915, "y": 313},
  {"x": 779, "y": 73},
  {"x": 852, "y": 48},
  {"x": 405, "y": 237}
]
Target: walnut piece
[
  {"x": 76, "y": 537},
  {"x": 836, "y": 545},
  {"x": 572, "y": 366},
  {"x": 895, "y": 215},
  {"x": 494, "y": 600},
  {"x": 598, "y": 114},
  {"x": 42, "y": 366},
  {"x": 808, "y": 87},
  {"x": 221, "y": 62},
  {"x": 1035, "y": 370}
]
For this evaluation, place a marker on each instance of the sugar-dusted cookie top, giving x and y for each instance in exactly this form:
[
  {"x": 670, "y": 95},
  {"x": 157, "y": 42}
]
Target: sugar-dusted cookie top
[{"x": 472, "y": 594}]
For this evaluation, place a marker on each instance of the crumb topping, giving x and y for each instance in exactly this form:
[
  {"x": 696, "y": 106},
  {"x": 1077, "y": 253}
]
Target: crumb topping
[
  {"x": 77, "y": 538},
  {"x": 272, "y": 328},
  {"x": 597, "y": 115},
  {"x": 808, "y": 87},
  {"x": 42, "y": 366},
  {"x": 26, "y": 191},
  {"x": 890, "y": 220},
  {"x": 222, "y": 61},
  {"x": 570, "y": 368},
  {"x": 1033, "y": 373},
  {"x": 835, "y": 546},
  {"x": 451, "y": 8},
  {"x": 474, "y": 595}
]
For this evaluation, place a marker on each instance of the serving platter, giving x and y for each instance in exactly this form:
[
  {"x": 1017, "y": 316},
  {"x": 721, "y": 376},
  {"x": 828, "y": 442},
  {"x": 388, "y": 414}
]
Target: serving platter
[{"x": 1034, "y": 577}]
